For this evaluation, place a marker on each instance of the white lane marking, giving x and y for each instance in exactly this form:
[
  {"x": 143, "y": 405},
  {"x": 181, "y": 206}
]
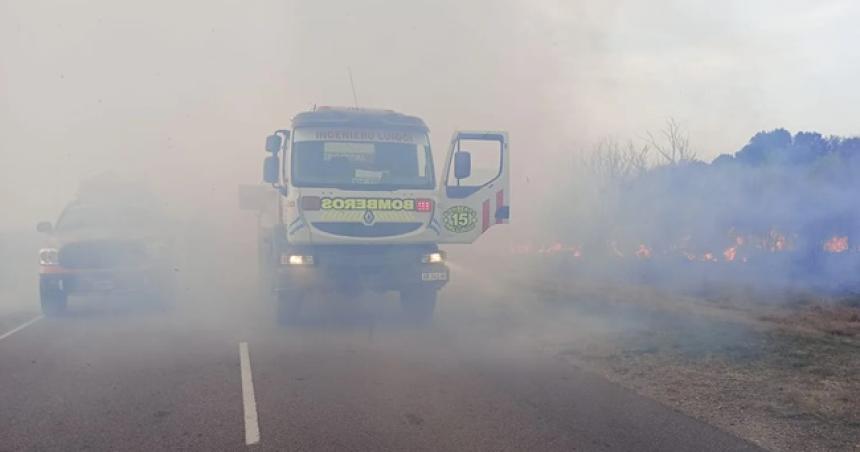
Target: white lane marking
[
  {"x": 252, "y": 427},
  {"x": 22, "y": 326}
]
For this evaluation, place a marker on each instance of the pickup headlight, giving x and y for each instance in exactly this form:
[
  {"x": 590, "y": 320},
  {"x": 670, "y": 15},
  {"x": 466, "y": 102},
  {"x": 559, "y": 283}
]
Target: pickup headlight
[
  {"x": 433, "y": 258},
  {"x": 49, "y": 256},
  {"x": 296, "y": 259}
]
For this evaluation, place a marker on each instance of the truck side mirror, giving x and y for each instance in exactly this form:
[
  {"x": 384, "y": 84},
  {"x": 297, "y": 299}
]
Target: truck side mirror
[
  {"x": 270, "y": 169},
  {"x": 44, "y": 227},
  {"x": 273, "y": 143},
  {"x": 462, "y": 164}
]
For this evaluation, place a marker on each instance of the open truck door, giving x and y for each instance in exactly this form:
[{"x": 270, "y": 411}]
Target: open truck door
[{"x": 476, "y": 188}]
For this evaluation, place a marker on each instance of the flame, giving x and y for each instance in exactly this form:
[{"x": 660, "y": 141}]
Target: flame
[
  {"x": 836, "y": 244},
  {"x": 552, "y": 249},
  {"x": 776, "y": 240},
  {"x": 643, "y": 252},
  {"x": 738, "y": 250}
]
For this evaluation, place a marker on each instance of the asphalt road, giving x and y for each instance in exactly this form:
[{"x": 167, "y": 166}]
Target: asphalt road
[{"x": 116, "y": 377}]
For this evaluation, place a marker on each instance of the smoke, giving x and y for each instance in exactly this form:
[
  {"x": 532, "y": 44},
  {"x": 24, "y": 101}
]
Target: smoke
[
  {"x": 779, "y": 212},
  {"x": 181, "y": 96},
  {"x": 173, "y": 100}
]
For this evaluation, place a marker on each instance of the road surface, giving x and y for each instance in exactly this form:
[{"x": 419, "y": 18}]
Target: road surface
[{"x": 109, "y": 376}]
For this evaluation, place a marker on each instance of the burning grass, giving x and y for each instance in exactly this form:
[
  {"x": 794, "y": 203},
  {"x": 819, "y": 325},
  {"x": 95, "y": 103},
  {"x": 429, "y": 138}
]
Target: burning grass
[{"x": 739, "y": 248}]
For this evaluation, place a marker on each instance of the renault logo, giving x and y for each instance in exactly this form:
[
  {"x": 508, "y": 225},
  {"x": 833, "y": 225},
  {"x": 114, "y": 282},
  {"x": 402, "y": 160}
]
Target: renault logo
[{"x": 368, "y": 218}]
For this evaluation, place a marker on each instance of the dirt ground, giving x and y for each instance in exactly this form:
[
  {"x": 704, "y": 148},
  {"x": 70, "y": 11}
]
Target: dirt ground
[{"x": 779, "y": 369}]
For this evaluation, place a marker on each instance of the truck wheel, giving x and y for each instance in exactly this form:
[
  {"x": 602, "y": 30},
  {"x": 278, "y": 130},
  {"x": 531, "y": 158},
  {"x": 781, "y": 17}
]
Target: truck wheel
[
  {"x": 289, "y": 307},
  {"x": 418, "y": 304},
  {"x": 53, "y": 298}
]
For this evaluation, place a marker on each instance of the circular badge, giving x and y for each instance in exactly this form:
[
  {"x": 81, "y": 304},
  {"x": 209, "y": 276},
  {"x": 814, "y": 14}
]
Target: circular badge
[{"x": 460, "y": 219}]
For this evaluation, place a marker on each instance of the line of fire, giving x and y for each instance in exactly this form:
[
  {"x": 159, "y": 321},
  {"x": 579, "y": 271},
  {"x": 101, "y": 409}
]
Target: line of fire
[{"x": 783, "y": 209}]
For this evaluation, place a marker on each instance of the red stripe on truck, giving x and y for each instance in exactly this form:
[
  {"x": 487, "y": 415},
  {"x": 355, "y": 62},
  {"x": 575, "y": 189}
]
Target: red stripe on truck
[{"x": 486, "y": 223}]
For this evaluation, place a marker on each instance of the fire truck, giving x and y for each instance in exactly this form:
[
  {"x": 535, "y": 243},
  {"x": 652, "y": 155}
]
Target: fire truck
[{"x": 352, "y": 202}]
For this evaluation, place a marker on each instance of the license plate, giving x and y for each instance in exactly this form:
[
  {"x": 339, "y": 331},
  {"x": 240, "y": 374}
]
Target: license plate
[{"x": 434, "y": 276}]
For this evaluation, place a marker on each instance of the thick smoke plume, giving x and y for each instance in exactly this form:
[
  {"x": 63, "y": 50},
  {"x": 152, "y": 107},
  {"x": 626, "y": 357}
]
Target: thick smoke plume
[{"x": 781, "y": 210}]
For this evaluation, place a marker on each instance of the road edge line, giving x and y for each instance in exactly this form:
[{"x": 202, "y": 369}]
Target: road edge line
[
  {"x": 22, "y": 326},
  {"x": 249, "y": 403}
]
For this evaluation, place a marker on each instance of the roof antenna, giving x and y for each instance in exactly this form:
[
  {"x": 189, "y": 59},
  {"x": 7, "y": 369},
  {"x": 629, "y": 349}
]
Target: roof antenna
[{"x": 352, "y": 83}]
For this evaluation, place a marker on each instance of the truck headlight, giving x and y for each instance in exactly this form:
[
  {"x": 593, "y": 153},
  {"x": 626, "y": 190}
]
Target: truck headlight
[
  {"x": 433, "y": 258},
  {"x": 49, "y": 256},
  {"x": 296, "y": 259}
]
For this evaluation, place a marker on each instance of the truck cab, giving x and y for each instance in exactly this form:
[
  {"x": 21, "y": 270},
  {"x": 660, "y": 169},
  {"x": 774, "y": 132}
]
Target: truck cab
[{"x": 354, "y": 202}]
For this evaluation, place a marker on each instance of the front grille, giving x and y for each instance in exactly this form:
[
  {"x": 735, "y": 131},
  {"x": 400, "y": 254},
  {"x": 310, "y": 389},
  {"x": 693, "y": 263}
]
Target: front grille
[
  {"x": 369, "y": 256},
  {"x": 102, "y": 254},
  {"x": 351, "y": 229}
]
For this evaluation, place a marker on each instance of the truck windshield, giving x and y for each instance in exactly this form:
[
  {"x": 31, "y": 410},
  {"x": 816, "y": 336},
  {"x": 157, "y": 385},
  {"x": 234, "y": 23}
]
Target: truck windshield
[{"x": 403, "y": 162}]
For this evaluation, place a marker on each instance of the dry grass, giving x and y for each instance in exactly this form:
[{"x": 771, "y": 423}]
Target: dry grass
[{"x": 781, "y": 370}]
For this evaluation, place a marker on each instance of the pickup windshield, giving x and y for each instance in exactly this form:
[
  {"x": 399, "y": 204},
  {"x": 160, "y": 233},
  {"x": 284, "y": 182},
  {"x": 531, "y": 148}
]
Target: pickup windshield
[
  {"x": 403, "y": 162},
  {"x": 110, "y": 217}
]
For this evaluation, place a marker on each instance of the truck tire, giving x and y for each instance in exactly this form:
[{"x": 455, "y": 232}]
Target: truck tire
[
  {"x": 289, "y": 307},
  {"x": 53, "y": 298},
  {"x": 418, "y": 304}
]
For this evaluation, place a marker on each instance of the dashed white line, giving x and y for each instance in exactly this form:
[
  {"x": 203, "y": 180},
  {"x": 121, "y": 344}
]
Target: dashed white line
[
  {"x": 252, "y": 426},
  {"x": 21, "y": 327}
]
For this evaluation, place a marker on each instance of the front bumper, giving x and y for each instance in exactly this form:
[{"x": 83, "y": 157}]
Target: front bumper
[
  {"x": 95, "y": 282},
  {"x": 362, "y": 270}
]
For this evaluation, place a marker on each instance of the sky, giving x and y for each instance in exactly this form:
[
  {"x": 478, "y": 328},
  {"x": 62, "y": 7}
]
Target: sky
[{"x": 182, "y": 94}]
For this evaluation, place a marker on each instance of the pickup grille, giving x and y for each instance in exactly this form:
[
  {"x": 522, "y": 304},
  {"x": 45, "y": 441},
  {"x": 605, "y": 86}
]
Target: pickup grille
[{"x": 102, "y": 254}]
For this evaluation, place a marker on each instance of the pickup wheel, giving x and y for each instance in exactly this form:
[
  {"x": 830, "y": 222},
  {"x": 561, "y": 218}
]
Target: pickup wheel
[
  {"x": 53, "y": 298},
  {"x": 289, "y": 307},
  {"x": 418, "y": 304}
]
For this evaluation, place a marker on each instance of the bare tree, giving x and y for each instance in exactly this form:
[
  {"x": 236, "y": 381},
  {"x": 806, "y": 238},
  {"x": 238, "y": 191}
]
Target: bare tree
[
  {"x": 612, "y": 162},
  {"x": 609, "y": 168},
  {"x": 674, "y": 146}
]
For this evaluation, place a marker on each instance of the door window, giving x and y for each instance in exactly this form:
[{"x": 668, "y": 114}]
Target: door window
[{"x": 486, "y": 166}]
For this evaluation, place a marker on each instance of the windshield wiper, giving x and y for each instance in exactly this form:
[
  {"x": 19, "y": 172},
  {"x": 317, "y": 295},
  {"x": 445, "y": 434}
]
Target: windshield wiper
[{"x": 368, "y": 187}]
